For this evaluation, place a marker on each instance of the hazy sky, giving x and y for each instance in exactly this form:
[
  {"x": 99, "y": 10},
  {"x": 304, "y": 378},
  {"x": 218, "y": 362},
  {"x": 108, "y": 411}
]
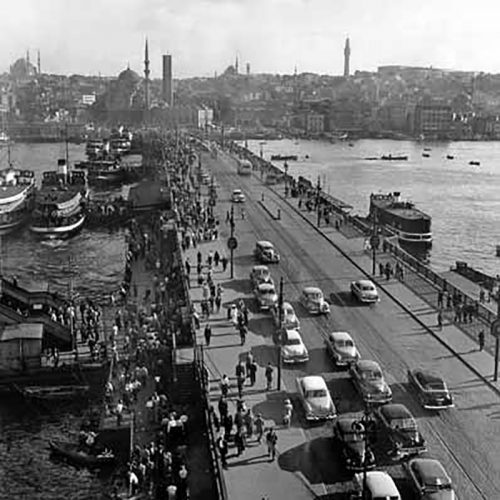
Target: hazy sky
[{"x": 203, "y": 36}]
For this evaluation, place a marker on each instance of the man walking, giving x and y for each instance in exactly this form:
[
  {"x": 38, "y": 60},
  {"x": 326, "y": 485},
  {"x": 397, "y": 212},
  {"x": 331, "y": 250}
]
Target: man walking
[
  {"x": 259, "y": 427},
  {"x": 440, "y": 320},
  {"x": 481, "y": 340},
  {"x": 208, "y": 334},
  {"x": 271, "y": 439},
  {"x": 252, "y": 372},
  {"x": 269, "y": 376}
]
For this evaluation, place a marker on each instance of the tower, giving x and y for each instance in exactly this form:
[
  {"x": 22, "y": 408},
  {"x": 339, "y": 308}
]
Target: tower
[
  {"x": 38, "y": 67},
  {"x": 146, "y": 75},
  {"x": 28, "y": 57},
  {"x": 347, "y": 56},
  {"x": 248, "y": 69},
  {"x": 167, "y": 88},
  {"x": 236, "y": 70}
]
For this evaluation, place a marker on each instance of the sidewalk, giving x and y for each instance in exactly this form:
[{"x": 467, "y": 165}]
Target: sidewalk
[{"x": 419, "y": 297}]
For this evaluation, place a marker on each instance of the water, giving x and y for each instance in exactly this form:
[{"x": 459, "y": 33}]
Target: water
[
  {"x": 463, "y": 200},
  {"x": 93, "y": 262}
]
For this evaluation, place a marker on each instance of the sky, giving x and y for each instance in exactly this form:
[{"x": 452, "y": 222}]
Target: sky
[{"x": 204, "y": 36}]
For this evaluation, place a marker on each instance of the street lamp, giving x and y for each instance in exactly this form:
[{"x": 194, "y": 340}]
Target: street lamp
[
  {"x": 374, "y": 243},
  {"x": 231, "y": 250},
  {"x": 280, "y": 332},
  {"x": 318, "y": 205},
  {"x": 285, "y": 166},
  {"x": 366, "y": 427}
]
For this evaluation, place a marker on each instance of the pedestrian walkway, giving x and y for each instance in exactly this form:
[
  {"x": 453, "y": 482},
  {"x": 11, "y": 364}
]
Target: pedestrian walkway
[
  {"x": 419, "y": 296},
  {"x": 250, "y": 475}
]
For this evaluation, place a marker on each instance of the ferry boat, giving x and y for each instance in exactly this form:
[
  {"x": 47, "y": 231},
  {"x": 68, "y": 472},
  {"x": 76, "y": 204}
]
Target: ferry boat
[
  {"x": 94, "y": 148},
  {"x": 103, "y": 172},
  {"x": 410, "y": 224},
  {"x": 59, "y": 204},
  {"x": 17, "y": 189}
]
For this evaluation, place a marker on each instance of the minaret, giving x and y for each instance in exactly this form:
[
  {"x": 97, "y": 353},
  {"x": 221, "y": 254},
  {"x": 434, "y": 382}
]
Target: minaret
[
  {"x": 28, "y": 57},
  {"x": 236, "y": 70},
  {"x": 146, "y": 74},
  {"x": 248, "y": 69},
  {"x": 39, "y": 70},
  {"x": 347, "y": 56}
]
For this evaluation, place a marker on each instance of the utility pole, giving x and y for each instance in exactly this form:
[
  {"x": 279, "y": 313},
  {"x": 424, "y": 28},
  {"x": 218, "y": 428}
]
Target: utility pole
[
  {"x": 374, "y": 243},
  {"x": 232, "y": 236},
  {"x": 280, "y": 332},
  {"x": 318, "y": 205},
  {"x": 497, "y": 338}
]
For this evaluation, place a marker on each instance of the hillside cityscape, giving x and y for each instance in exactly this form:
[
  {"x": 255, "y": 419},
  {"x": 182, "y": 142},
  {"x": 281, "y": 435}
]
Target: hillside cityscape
[{"x": 395, "y": 101}]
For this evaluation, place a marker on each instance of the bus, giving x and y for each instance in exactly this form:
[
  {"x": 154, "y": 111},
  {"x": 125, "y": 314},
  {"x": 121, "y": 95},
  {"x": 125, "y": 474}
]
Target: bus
[{"x": 244, "y": 167}]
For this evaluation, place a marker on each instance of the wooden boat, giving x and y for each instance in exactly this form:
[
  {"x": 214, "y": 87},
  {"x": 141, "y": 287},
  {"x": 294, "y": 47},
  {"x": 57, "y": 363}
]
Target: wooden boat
[
  {"x": 390, "y": 157},
  {"x": 284, "y": 157},
  {"x": 450, "y": 157},
  {"x": 55, "y": 393},
  {"x": 426, "y": 155},
  {"x": 73, "y": 455},
  {"x": 475, "y": 162}
]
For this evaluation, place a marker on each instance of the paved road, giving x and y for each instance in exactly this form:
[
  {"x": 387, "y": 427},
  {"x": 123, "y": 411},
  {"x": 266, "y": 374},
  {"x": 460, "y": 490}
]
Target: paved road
[{"x": 466, "y": 440}]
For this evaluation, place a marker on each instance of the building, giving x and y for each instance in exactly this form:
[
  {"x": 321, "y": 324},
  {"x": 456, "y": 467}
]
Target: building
[
  {"x": 167, "y": 87},
  {"x": 205, "y": 118},
  {"x": 433, "y": 119}
]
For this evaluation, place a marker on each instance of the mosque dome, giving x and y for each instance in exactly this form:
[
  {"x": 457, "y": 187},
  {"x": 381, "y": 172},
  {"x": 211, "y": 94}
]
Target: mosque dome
[{"x": 22, "y": 69}]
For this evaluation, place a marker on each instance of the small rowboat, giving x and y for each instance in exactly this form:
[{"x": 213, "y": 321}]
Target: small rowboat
[
  {"x": 56, "y": 393},
  {"x": 80, "y": 458}
]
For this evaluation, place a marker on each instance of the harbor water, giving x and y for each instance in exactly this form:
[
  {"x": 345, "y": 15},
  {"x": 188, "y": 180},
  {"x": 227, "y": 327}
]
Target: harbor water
[
  {"x": 92, "y": 263},
  {"x": 462, "y": 199}
]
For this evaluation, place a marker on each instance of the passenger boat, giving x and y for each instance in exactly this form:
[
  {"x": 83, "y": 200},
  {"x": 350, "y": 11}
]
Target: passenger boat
[
  {"x": 390, "y": 157},
  {"x": 410, "y": 224},
  {"x": 94, "y": 148},
  {"x": 103, "y": 171},
  {"x": 17, "y": 189},
  {"x": 284, "y": 157},
  {"x": 54, "y": 393},
  {"x": 59, "y": 204},
  {"x": 80, "y": 458}
]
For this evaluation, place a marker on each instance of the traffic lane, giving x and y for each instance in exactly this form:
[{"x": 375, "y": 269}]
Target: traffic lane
[{"x": 369, "y": 326}]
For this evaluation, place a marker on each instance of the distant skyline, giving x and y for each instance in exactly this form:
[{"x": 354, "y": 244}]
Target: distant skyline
[{"x": 204, "y": 36}]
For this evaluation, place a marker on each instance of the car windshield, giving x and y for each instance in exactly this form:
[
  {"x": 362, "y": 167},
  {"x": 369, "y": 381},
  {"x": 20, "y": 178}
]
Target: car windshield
[
  {"x": 372, "y": 375},
  {"x": 314, "y": 297},
  {"x": 293, "y": 341},
  {"x": 367, "y": 288},
  {"x": 436, "y": 386},
  {"x": 268, "y": 291},
  {"x": 344, "y": 343},
  {"x": 407, "y": 424},
  {"x": 316, "y": 393}
]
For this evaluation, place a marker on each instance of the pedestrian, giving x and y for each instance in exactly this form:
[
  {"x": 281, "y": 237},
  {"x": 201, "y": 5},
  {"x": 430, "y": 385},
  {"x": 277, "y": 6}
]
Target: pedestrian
[
  {"x": 269, "y": 376},
  {"x": 216, "y": 258},
  {"x": 259, "y": 427},
  {"x": 240, "y": 381},
  {"x": 240, "y": 441},
  {"x": 223, "y": 408},
  {"x": 440, "y": 320},
  {"x": 253, "y": 372},
  {"x": 224, "y": 263},
  {"x": 222, "y": 447},
  {"x": 448, "y": 302},
  {"x": 243, "y": 334},
  {"x": 208, "y": 334},
  {"x": 388, "y": 271},
  {"x": 188, "y": 267},
  {"x": 287, "y": 413},
  {"x": 248, "y": 420},
  {"x": 481, "y": 340},
  {"x": 224, "y": 385},
  {"x": 440, "y": 299},
  {"x": 481, "y": 295},
  {"x": 218, "y": 303},
  {"x": 248, "y": 363},
  {"x": 271, "y": 440},
  {"x": 381, "y": 268},
  {"x": 228, "y": 427}
]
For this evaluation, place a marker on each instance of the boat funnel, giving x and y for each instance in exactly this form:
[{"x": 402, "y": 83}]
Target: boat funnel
[
  {"x": 397, "y": 196},
  {"x": 62, "y": 167}
]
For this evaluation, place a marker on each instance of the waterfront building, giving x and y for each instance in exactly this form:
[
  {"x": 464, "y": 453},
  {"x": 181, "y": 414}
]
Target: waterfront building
[
  {"x": 433, "y": 119},
  {"x": 167, "y": 87}
]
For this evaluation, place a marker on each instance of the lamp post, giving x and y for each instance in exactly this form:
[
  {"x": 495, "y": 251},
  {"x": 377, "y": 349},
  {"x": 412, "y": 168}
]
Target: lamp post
[
  {"x": 231, "y": 250},
  {"x": 374, "y": 243},
  {"x": 318, "y": 205},
  {"x": 285, "y": 166},
  {"x": 280, "y": 332},
  {"x": 497, "y": 338},
  {"x": 366, "y": 427}
]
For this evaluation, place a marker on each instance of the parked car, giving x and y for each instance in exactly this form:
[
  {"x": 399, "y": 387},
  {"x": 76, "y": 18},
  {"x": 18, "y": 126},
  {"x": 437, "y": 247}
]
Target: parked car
[
  {"x": 288, "y": 317},
  {"x": 379, "y": 486},
  {"x": 430, "y": 480},
  {"x": 266, "y": 253},
  {"x": 341, "y": 348},
  {"x": 431, "y": 389},
  {"x": 400, "y": 428},
  {"x": 237, "y": 196},
  {"x": 364, "y": 291},
  {"x": 260, "y": 274},
  {"x": 293, "y": 349},
  {"x": 315, "y": 398},
  {"x": 313, "y": 300},
  {"x": 370, "y": 382},
  {"x": 349, "y": 434},
  {"x": 266, "y": 296}
]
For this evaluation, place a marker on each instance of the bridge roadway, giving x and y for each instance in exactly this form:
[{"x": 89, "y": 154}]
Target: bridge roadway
[{"x": 465, "y": 439}]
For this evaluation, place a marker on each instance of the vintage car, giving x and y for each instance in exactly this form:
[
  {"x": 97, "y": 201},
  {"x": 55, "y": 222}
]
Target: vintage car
[
  {"x": 431, "y": 389},
  {"x": 260, "y": 274},
  {"x": 400, "y": 428},
  {"x": 369, "y": 380},
  {"x": 288, "y": 317},
  {"x": 430, "y": 480},
  {"x": 364, "y": 291},
  {"x": 315, "y": 398},
  {"x": 237, "y": 196},
  {"x": 266, "y": 253},
  {"x": 341, "y": 348},
  {"x": 379, "y": 486},
  {"x": 266, "y": 296},
  {"x": 313, "y": 300},
  {"x": 293, "y": 349},
  {"x": 349, "y": 433}
]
